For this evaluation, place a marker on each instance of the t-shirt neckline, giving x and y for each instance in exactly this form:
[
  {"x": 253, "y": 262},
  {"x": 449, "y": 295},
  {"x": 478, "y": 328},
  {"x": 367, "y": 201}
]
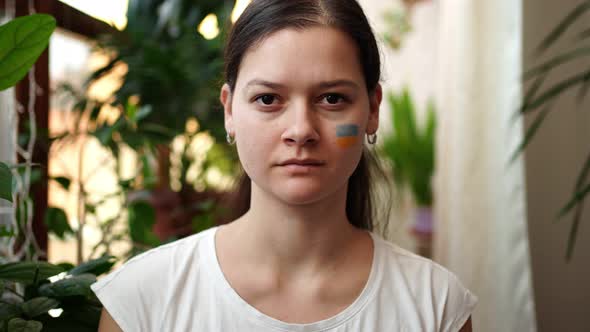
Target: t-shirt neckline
[{"x": 264, "y": 320}]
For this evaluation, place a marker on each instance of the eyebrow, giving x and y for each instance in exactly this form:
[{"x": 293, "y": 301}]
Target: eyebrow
[{"x": 321, "y": 85}]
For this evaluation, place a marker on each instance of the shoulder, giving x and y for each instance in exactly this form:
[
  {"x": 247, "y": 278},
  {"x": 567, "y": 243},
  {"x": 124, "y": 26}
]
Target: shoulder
[
  {"x": 429, "y": 285},
  {"x": 143, "y": 283},
  {"x": 167, "y": 257}
]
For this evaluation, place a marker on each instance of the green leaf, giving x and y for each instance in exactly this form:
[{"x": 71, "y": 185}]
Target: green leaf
[
  {"x": 102, "y": 71},
  {"x": 63, "y": 182},
  {"x": 25, "y": 271},
  {"x": 76, "y": 285},
  {"x": 8, "y": 311},
  {"x": 104, "y": 134},
  {"x": 571, "y": 18},
  {"x": 38, "y": 306},
  {"x": 530, "y": 94},
  {"x": 203, "y": 222},
  {"x": 556, "y": 91},
  {"x": 21, "y": 325},
  {"x": 6, "y": 231},
  {"x": 578, "y": 202},
  {"x": 556, "y": 61},
  {"x": 131, "y": 111},
  {"x": 577, "y": 198},
  {"x": 57, "y": 222},
  {"x": 530, "y": 133},
  {"x": 571, "y": 242},
  {"x": 141, "y": 220},
  {"x": 66, "y": 266},
  {"x": 143, "y": 112},
  {"x": 23, "y": 40},
  {"x": 584, "y": 34},
  {"x": 584, "y": 88},
  {"x": 96, "y": 266},
  {"x": 5, "y": 182},
  {"x": 584, "y": 173}
]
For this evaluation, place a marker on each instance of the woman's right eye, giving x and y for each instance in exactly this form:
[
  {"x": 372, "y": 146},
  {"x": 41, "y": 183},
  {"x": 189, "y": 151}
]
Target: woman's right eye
[{"x": 266, "y": 100}]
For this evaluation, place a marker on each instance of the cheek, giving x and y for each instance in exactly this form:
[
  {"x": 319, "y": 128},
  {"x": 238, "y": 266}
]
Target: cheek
[
  {"x": 253, "y": 145},
  {"x": 347, "y": 136}
]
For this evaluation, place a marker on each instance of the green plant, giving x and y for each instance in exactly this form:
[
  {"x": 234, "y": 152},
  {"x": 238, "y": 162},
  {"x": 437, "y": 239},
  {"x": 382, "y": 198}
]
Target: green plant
[
  {"x": 409, "y": 150},
  {"x": 27, "y": 293},
  {"x": 22, "y": 40},
  {"x": 30, "y": 290},
  {"x": 172, "y": 76},
  {"x": 540, "y": 103}
]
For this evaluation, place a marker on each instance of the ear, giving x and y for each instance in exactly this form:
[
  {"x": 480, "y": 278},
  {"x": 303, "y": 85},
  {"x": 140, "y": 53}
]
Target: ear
[
  {"x": 374, "y": 104},
  {"x": 226, "y": 100}
]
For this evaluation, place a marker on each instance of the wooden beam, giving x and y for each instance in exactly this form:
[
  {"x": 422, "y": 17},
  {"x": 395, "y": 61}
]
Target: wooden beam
[
  {"x": 67, "y": 17},
  {"x": 41, "y": 147}
]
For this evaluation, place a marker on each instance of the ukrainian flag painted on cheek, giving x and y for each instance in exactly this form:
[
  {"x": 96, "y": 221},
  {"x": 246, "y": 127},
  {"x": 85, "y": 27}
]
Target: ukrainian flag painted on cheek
[{"x": 347, "y": 135}]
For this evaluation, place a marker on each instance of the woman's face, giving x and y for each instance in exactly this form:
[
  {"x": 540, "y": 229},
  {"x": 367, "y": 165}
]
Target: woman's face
[{"x": 301, "y": 98}]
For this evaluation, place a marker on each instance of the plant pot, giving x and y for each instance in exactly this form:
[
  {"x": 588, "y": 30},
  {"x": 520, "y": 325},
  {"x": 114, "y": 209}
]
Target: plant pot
[{"x": 422, "y": 229}]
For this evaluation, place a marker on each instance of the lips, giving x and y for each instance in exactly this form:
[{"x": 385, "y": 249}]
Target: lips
[{"x": 302, "y": 162}]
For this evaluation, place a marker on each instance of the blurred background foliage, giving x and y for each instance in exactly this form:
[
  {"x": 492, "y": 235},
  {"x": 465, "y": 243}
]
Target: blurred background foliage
[
  {"x": 164, "y": 113},
  {"x": 168, "y": 98}
]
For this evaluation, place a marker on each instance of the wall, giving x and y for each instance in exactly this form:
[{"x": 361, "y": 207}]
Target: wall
[
  {"x": 413, "y": 65},
  {"x": 562, "y": 290}
]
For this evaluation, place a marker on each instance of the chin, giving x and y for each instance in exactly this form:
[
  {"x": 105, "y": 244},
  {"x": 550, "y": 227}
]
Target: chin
[{"x": 303, "y": 194}]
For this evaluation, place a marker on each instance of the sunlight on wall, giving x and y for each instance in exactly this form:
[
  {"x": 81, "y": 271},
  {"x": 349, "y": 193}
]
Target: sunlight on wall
[
  {"x": 71, "y": 61},
  {"x": 209, "y": 27},
  {"x": 113, "y": 12},
  {"x": 239, "y": 9}
]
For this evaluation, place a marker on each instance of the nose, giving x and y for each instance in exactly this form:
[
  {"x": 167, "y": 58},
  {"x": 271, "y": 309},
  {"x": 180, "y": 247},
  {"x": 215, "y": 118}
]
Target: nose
[{"x": 301, "y": 128}]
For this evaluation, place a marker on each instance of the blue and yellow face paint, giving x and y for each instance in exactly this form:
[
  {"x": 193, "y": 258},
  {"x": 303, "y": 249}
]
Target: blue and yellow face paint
[{"x": 347, "y": 135}]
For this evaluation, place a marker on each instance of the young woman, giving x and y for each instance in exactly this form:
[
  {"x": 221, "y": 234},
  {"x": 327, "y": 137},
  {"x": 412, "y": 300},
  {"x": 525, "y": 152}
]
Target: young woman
[{"x": 302, "y": 91}]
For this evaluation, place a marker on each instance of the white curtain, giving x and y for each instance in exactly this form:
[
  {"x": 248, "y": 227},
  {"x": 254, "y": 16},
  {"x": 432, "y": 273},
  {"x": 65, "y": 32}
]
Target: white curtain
[{"x": 480, "y": 197}]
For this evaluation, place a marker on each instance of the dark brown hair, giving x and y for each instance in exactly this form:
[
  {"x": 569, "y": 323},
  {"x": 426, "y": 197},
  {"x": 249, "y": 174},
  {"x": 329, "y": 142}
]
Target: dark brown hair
[{"x": 264, "y": 17}]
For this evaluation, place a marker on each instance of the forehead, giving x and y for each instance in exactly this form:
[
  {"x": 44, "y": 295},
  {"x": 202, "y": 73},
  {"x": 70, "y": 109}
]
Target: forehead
[{"x": 301, "y": 57}]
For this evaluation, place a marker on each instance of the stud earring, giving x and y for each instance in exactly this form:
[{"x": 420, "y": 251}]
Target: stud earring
[
  {"x": 230, "y": 139},
  {"x": 372, "y": 138}
]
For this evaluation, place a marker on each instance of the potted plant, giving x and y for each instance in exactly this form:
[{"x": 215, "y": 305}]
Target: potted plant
[
  {"x": 172, "y": 76},
  {"x": 410, "y": 153},
  {"x": 36, "y": 295},
  {"x": 538, "y": 101}
]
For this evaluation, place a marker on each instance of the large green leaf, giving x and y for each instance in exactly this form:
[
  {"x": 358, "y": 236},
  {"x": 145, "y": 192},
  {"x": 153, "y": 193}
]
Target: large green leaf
[
  {"x": 57, "y": 222},
  {"x": 22, "y": 41},
  {"x": 38, "y": 306},
  {"x": 96, "y": 266},
  {"x": 5, "y": 182},
  {"x": 21, "y": 325},
  {"x": 75, "y": 286},
  {"x": 25, "y": 272},
  {"x": 8, "y": 311}
]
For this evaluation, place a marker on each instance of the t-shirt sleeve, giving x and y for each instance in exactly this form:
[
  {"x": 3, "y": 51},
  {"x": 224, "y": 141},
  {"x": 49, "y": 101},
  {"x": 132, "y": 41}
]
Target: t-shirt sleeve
[
  {"x": 459, "y": 305},
  {"x": 130, "y": 293}
]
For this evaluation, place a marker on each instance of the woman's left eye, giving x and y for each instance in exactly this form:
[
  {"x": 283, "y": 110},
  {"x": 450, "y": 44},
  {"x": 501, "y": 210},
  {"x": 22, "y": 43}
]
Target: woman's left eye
[{"x": 333, "y": 98}]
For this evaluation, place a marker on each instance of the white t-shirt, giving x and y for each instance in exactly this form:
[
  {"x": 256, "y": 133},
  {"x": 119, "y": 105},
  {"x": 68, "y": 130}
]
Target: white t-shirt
[{"x": 180, "y": 287}]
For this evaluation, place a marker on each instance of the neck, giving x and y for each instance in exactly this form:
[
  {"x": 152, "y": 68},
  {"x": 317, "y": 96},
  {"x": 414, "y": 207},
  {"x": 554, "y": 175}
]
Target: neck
[{"x": 295, "y": 238}]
